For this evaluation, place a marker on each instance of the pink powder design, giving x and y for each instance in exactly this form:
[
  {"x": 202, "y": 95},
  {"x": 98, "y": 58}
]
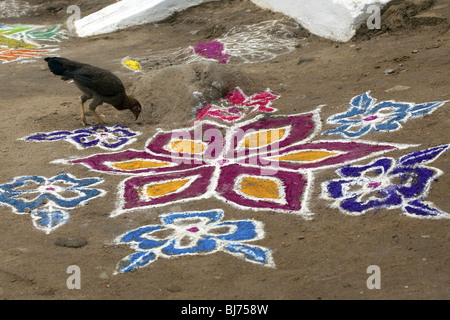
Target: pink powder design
[
  {"x": 212, "y": 50},
  {"x": 237, "y": 105},
  {"x": 370, "y": 118},
  {"x": 374, "y": 185}
]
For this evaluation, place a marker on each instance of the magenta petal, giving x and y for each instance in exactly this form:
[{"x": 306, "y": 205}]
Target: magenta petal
[
  {"x": 197, "y": 189},
  {"x": 293, "y": 183},
  {"x": 203, "y": 112},
  {"x": 102, "y": 162},
  {"x": 346, "y": 151}
]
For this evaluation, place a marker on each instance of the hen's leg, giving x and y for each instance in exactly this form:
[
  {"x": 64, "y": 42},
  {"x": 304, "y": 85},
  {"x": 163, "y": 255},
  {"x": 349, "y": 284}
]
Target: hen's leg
[
  {"x": 94, "y": 104},
  {"x": 83, "y": 99}
]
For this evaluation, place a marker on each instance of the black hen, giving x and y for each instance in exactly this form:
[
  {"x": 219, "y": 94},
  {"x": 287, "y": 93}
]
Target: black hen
[{"x": 97, "y": 84}]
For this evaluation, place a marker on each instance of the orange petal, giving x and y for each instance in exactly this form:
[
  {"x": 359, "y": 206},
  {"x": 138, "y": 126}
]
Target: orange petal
[
  {"x": 263, "y": 138},
  {"x": 307, "y": 156},
  {"x": 186, "y": 146},
  {"x": 260, "y": 188},
  {"x": 161, "y": 189},
  {"x": 139, "y": 164}
]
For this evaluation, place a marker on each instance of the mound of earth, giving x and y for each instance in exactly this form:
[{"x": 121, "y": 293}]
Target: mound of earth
[
  {"x": 175, "y": 94},
  {"x": 406, "y": 16}
]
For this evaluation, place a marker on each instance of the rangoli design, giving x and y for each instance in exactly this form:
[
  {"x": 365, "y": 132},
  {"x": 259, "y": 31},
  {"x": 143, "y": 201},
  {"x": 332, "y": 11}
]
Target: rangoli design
[
  {"x": 239, "y": 151},
  {"x": 258, "y": 164},
  {"x": 107, "y": 138},
  {"x": 49, "y": 200},
  {"x": 386, "y": 183},
  {"x": 365, "y": 115},
  {"x": 194, "y": 233},
  {"x": 237, "y": 106},
  {"x": 245, "y": 155},
  {"x": 255, "y": 43},
  {"x": 18, "y": 42}
]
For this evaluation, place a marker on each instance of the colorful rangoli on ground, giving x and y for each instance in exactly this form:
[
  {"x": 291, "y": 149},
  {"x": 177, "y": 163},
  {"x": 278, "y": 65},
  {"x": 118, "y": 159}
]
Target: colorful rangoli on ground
[
  {"x": 247, "y": 156},
  {"x": 258, "y": 164},
  {"x": 23, "y": 42}
]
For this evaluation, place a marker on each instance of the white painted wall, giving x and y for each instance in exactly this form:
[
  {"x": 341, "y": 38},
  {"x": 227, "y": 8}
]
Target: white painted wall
[
  {"x": 332, "y": 19},
  {"x": 126, "y": 13}
]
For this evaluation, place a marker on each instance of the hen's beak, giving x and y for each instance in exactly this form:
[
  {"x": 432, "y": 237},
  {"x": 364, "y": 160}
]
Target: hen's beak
[{"x": 136, "y": 113}]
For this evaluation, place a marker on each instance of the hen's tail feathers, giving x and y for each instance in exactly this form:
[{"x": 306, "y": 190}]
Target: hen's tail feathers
[{"x": 62, "y": 66}]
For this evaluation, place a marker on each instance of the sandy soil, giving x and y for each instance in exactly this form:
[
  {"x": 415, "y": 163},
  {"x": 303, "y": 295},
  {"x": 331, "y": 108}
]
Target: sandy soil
[{"x": 323, "y": 258}]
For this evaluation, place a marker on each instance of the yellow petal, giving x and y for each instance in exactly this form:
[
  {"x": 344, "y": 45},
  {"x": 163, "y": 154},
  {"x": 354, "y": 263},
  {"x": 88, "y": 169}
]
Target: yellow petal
[
  {"x": 307, "y": 156},
  {"x": 139, "y": 164},
  {"x": 260, "y": 188},
  {"x": 186, "y": 146},
  {"x": 164, "y": 188},
  {"x": 263, "y": 138}
]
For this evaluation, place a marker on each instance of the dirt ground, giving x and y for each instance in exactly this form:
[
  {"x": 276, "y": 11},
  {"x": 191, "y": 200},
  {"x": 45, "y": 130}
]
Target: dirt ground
[{"x": 323, "y": 258}]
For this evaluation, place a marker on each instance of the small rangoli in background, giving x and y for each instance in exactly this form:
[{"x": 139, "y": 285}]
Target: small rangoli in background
[
  {"x": 236, "y": 106},
  {"x": 23, "y": 42},
  {"x": 107, "y": 138}
]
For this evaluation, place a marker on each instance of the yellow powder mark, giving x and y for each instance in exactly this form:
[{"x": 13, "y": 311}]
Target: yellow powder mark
[
  {"x": 260, "y": 188},
  {"x": 139, "y": 164},
  {"x": 307, "y": 156},
  {"x": 15, "y": 44},
  {"x": 261, "y": 139},
  {"x": 132, "y": 64},
  {"x": 186, "y": 146},
  {"x": 161, "y": 189}
]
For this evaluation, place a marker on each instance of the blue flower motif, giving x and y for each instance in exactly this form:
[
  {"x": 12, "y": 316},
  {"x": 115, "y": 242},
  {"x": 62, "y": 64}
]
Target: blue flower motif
[
  {"x": 48, "y": 200},
  {"x": 108, "y": 138},
  {"x": 189, "y": 233},
  {"x": 365, "y": 115},
  {"x": 49, "y": 217},
  {"x": 386, "y": 183}
]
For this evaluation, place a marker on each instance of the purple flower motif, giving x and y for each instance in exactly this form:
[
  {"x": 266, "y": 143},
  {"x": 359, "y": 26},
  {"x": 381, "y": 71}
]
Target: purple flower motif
[
  {"x": 107, "y": 138},
  {"x": 386, "y": 183}
]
